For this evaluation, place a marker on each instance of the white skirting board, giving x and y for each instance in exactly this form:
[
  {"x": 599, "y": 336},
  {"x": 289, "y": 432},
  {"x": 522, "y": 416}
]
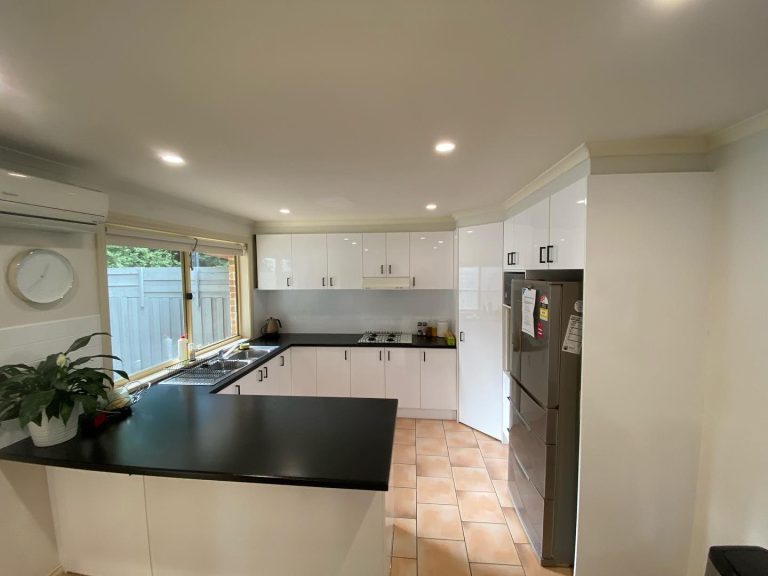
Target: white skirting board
[
  {"x": 115, "y": 524},
  {"x": 426, "y": 414}
]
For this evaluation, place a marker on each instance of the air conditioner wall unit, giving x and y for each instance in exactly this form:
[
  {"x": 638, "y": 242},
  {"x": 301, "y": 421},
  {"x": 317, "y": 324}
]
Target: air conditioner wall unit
[{"x": 34, "y": 202}]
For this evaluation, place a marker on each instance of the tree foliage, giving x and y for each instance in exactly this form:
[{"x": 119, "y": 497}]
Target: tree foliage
[{"x": 137, "y": 257}]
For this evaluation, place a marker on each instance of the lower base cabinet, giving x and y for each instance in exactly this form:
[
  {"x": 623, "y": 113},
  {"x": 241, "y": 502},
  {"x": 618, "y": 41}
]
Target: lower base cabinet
[
  {"x": 303, "y": 371},
  {"x": 403, "y": 377},
  {"x": 367, "y": 373},
  {"x": 333, "y": 373},
  {"x": 438, "y": 379}
]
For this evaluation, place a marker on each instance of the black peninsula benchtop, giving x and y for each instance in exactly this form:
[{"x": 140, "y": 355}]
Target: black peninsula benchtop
[{"x": 186, "y": 432}]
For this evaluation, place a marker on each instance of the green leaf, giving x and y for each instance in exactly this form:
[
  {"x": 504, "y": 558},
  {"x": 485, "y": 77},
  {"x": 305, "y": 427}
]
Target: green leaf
[
  {"x": 84, "y": 359},
  {"x": 66, "y": 410},
  {"x": 83, "y": 342},
  {"x": 32, "y": 406}
]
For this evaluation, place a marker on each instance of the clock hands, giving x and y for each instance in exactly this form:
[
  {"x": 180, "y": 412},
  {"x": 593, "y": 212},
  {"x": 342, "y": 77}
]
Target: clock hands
[{"x": 45, "y": 271}]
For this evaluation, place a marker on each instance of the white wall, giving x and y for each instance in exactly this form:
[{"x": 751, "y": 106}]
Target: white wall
[
  {"x": 352, "y": 311},
  {"x": 732, "y": 499},
  {"x": 647, "y": 323}
]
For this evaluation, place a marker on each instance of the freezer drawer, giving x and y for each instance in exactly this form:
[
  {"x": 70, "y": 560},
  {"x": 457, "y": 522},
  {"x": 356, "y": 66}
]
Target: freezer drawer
[
  {"x": 540, "y": 422},
  {"x": 536, "y": 513}
]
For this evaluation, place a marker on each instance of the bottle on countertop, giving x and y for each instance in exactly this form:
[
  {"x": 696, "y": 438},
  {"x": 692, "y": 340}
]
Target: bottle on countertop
[
  {"x": 183, "y": 346},
  {"x": 420, "y": 329}
]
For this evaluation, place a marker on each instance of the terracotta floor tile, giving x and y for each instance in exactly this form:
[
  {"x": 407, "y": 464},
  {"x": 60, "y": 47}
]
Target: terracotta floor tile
[
  {"x": 453, "y": 426},
  {"x": 472, "y": 479},
  {"x": 404, "y": 544},
  {"x": 435, "y": 491},
  {"x": 497, "y": 469},
  {"x": 405, "y": 436},
  {"x": 438, "y": 521},
  {"x": 502, "y": 492},
  {"x": 442, "y": 558},
  {"x": 480, "y": 507},
  {"x": 403, "y": 454},
  {"x": 460, "y": 439},
  {"x": 434, "y": 466},
  {"x": 494, "y": 449},
  {"x": 431, "y": 446},
  {"x": 532, "y": 566},
  {"x": 407, "y": 423},
  {"x": 403, "y": 567},
  {"x": 429, "y": 429},
  {"x": 490, "y": 544},
  {"x": 468, "y": 457},
  {"x": 403, "y": 502},
  {"x": 514, "y": 525},
  {"x": 496, "y": 570},
  {"x": 403, "y": 476}
]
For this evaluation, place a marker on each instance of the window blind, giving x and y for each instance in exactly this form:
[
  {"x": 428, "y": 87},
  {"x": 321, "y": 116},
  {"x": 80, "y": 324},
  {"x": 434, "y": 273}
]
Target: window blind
[{"x": 133, "y": 236}]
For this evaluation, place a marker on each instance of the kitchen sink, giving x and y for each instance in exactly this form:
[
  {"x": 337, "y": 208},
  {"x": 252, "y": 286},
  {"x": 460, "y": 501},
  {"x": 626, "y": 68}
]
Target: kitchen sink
[{"x": 253, "y": 353}]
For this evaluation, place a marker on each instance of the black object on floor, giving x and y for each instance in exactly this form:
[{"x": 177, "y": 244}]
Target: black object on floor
[{"x": 737, "y": 561}]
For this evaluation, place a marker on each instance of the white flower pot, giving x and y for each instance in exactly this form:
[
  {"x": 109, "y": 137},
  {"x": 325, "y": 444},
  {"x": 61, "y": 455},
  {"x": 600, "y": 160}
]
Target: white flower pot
[{"x": 54, "y": 431}]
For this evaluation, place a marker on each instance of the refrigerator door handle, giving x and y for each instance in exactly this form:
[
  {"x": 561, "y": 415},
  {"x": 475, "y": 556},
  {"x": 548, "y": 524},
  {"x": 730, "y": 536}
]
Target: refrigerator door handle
[
  {"x": 520, "y": 417},
  {"x": 520, "y": 465}
]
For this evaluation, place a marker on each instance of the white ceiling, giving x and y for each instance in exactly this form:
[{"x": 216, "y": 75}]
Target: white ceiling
[{"x": 332, "y": 108}]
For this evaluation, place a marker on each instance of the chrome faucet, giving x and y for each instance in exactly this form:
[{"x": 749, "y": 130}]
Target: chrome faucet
[{"x": 225, "y": 352}]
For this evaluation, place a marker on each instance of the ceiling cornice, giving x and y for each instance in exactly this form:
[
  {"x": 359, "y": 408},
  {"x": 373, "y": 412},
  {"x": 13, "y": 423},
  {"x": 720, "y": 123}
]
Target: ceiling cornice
[
  {"x": 739, "y": 131},
  {"x": 330, "y": 226}
]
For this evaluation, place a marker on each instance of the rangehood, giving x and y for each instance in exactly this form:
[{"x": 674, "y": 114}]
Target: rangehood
[{"x": 386, "y": 283}]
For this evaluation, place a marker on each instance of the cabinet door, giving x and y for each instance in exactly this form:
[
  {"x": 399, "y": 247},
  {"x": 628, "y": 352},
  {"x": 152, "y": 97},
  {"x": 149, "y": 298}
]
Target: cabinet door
[
  {"x": 310, "y": 261},
  {"x": 374, "y": 255},
  {"x": 303, "y": 371},
  {"x": 438, "y": 379},
  {"x": 567, "y": 226},
  {"x": 531, "y": 233},
  {"x": 402, "y": 372},
  {"x": 398, "y": 254},
  {"x": 252, "y": 383},
  {"x": 479, "y": 324},
  {"x": 273, "y": 253},
  {"x": 277, "y": 375},
  {"x": 367, "y": 371},
  {"x": 431, "y": 260},
  {"x": 509, "y": 256},
  {"x": 233, "y": 390},
  {"x": 345, "y": 261},
  {"x": 333, "y": 371}
]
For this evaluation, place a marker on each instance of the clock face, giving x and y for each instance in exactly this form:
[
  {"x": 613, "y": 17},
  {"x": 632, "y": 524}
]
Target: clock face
[{"x": 41, "y": 276}]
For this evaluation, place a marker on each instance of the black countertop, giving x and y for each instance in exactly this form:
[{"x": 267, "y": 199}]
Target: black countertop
[
  {"x": 186, "y": 432},
  {"x": 346, "y": 340}
]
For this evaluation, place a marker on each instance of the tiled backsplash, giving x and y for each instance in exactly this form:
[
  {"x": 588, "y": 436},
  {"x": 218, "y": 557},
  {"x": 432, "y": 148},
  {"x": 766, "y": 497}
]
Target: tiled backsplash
[{"x": 31, "y": 343}]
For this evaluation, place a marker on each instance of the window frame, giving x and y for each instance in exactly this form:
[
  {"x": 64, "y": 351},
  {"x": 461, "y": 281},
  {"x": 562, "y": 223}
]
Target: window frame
[{"x": 186, "y": 282}]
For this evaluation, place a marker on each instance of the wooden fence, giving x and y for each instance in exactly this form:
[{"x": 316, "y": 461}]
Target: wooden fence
[{"x": 146, "y": 312}]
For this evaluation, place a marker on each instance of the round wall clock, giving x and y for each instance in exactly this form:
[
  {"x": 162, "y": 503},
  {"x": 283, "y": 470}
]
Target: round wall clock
[{"x": 41, "y": 276}]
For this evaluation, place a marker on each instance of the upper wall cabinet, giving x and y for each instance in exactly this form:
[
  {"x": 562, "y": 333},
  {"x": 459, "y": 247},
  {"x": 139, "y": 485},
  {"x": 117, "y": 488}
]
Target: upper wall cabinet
[
  {"x": 386, "y": 255},
  {"x": 345, "y": 261},
  {"x": 310, "y": 261},
  {"x": 431, "y": 260},
  {"x": 273, "y": 253},
  {"x": 551, "y": 234}
]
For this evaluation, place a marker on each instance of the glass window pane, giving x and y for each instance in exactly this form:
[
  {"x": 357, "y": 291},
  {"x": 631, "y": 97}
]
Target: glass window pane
[
  {"x": 214, "y": 298},
  {"x": 146, "y": 305}
]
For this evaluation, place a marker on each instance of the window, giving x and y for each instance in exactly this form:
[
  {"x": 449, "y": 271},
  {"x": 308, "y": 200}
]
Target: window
[{"x": 156, "y": 294}]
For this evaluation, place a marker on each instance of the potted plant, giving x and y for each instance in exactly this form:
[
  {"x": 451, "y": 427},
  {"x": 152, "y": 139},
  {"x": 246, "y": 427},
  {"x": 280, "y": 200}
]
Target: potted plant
[{"x": 49, "y": 398}]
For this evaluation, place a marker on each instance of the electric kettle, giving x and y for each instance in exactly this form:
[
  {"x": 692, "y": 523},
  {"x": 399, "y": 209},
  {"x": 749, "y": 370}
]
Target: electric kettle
[{"x": 271, "y": 328}]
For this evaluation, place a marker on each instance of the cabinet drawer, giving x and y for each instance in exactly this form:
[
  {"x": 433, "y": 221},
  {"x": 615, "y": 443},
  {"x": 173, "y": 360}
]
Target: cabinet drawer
[{"x": 537, "y": 514}]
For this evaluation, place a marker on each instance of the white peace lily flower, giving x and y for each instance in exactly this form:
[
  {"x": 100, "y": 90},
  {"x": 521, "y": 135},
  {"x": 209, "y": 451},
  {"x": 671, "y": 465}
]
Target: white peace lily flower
[{"x": 61, "y": 361}]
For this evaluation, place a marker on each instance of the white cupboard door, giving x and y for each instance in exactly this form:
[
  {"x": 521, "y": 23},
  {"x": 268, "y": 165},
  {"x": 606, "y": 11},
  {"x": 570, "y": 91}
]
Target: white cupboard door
[
  {"x": 303, "y": 371},
  {"x": 403, "y": 376},
  {"x": 568, "y": 226},
  {"x": 431, "y": 260},
  {"x": 398, "y": 254},
  {"x": 333, "y": 371},
  {"x": 345, "y": 261},
  {"x": 273, "y": 256},
  {"x": 310, "y": 261},
  {"x": 250, "y": 384},
  {"x": 374, "y": 255},
  {"x": 280, "y": 374},
  {"x": 367, "y": 370},
  {"x": 479, "y": 324},
  {"x": 438, "y": 379},
  {"x": 508, "y": 259}
]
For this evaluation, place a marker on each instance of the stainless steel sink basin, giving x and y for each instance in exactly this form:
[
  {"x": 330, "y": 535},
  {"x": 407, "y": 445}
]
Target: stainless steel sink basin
[
  {"x": 253, "y": 353},
  {"x": 229, "y": 365}
]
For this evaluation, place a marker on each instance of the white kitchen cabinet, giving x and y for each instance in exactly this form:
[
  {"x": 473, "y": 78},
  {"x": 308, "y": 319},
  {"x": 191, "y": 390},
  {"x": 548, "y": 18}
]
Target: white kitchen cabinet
[
  {"x": 438, "y": 378},
  {"x": 252, "y": 383},
  {"x": 535, "y": 228},
  {"x": 333, "y": 373},
  {"x": 508, "y": 262},
  {"x": 403, "y": 376},
  {"x": 367, "y": 373},
  {"x": 310, "y": 261},
  {"x": 479, "y": 325},
  {"x": 232, "y": 389},
  {"x": 277, "y": 375},
  {"x": 273, "y": 257},
  {"x": 568, "y": 226},
  {"x": 303, "y": 371},
  {"x": 345, "y": 261},
  {"x": 398, "y": 254},
  {"x": 431, "y": 260},
  {"x": 374, "y": 255}
]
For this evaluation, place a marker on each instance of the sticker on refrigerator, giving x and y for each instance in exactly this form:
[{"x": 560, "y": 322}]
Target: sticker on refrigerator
[
  {"x": 529, "y": 307},
  {"x": 572, "y": 341},
  {"x": 544, "y": 308}
]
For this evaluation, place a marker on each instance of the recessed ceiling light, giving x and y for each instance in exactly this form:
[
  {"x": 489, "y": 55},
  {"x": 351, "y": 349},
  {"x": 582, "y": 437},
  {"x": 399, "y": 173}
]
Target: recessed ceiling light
[
  {"x": 584, "y": 201},
  {"x": 354, "y": 243},
  {"x": 445, "y": 147},
  {"x": 284, "y": 211},
  {"x": 172, "y": 159},
  {"x": 439, "y": 241},
  {"x": 422, "y": 238},
  {"x": 470, "y": 231},
  {"x": 17, "y": 175},
  {"x": 346, "y": 239},
  {"x": 431, "y": 206}
]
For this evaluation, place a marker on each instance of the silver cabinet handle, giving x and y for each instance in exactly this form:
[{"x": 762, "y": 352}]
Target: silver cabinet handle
[{"x": 237, "y": 387}]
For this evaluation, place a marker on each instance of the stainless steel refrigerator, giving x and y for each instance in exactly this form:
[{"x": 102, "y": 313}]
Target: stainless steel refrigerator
[{"x": 544, "y": 362}]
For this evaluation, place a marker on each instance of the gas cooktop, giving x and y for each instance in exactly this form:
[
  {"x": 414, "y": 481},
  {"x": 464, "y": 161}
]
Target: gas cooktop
[{"x": 385, "y": 337}]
